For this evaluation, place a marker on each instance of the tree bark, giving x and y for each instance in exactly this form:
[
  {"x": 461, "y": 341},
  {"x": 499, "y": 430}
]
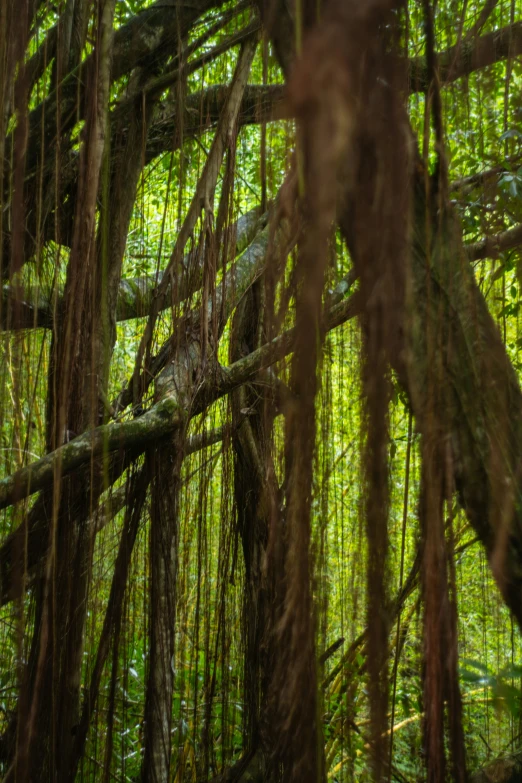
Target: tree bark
[
  {"x": 49, "y": 703},
  {"x": 257, "y": 500},
  {"x": 165, "y": 467}
]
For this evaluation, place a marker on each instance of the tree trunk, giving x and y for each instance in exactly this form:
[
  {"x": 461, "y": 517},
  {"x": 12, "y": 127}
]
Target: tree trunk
[
  {"x": 257, "y": 500},
  {"x": 49, "y": 708},
  {"x": 165, "y": 466}
]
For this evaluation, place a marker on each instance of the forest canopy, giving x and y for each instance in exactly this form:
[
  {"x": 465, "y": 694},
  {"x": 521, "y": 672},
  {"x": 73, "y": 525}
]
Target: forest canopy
[{"x": 260, "y": 401}]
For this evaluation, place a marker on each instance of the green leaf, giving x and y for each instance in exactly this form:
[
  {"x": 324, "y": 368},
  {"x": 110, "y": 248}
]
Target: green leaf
[
  {"x": 474, "y": 664},
  {"x": 511, "y": 133},
  {"x": 508, "y": 697},
  {"x": 512, "y": 669}
]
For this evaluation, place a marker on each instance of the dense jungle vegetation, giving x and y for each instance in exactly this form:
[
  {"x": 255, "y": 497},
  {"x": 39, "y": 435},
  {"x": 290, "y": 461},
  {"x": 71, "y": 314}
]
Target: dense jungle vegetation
[{"x": 260, "y": 402}]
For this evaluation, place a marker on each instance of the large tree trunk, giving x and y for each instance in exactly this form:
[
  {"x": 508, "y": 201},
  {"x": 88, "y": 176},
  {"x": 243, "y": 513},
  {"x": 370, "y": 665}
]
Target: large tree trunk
[
  {"x": 482, "y": 416},
  {"x": 49, "y": 707},
  {"x": 165, "y": 469},
  {"x": 257, "y": 500}
]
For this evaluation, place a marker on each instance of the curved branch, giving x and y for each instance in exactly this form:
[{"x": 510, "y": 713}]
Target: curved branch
[
  {"x": 35, "y": 307},
  {"x": 147, "y": 39},
  {"x": 469, "y": 56},
  {"x": 465, "y": 185},
  {"x": 160, "y": 420},
  {"x": 490, "y": 247},
  {"x": 204, "y": 192},
  {"x": 260, "y": 104}
]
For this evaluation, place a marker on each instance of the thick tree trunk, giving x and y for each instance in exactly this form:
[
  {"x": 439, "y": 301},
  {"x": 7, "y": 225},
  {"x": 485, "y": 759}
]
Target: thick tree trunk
[
  {"x": 482, "y": 416},
  {"x": 257, "y": 500},
  {"x": 49, "y": 708},
  {"x": 165, "y": 467}
]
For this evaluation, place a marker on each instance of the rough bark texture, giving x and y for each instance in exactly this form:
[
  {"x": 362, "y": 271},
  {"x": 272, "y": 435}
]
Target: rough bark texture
[
  {"x": 165, "y": 468},
  {"x": 482, "y": 419},
  {"x": 49, "y": 702},
  {"x": 257, "y": 499}
]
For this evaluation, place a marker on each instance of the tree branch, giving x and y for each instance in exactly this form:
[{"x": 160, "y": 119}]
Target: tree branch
[
  {"x": 157, "y": 422},
  {"x": 490, "y": 247},
  {"x": 468, "y": 56},
  {"x": 203, "y": 195},
  {"x": 465, "y": 185},
  {"x": 37, "y": 307}
]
